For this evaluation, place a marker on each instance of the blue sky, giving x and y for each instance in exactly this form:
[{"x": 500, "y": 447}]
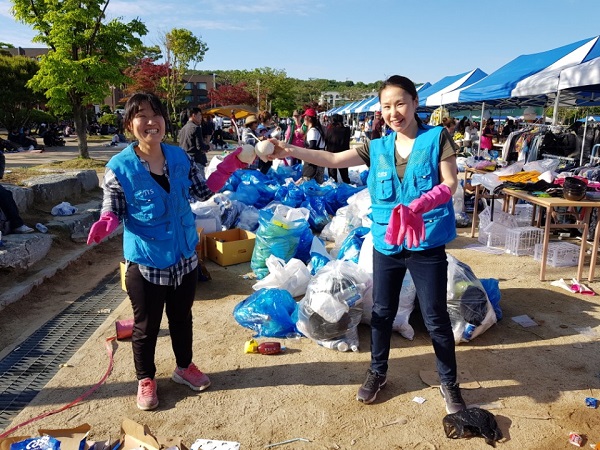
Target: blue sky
[{"x": 366, "y": 40}]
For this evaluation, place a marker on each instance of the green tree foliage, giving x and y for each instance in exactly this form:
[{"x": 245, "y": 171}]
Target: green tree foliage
[
  {"x": 87, "y": 54},
  {"x": 180, "y": 49},
  {"x": 108, "y": 119},
  {"x": 16, "y": 99}
]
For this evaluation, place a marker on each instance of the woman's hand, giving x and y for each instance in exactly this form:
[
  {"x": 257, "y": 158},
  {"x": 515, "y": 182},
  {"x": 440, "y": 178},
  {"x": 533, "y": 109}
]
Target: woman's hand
[{"x": 280, "y": 151}]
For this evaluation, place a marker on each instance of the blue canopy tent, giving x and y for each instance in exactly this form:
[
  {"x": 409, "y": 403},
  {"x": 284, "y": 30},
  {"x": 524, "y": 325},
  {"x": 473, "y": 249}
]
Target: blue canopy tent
[
  {"x": 529, "y": 79},
  {"x": 423, "y": 87},
  {"x": 348, "y": 107},
  {"x": 434, "y": 96},
  {"x": 355, "y": 108},
  {"x": 364, "y": 107},
  {"x": 450, "y": 82}
]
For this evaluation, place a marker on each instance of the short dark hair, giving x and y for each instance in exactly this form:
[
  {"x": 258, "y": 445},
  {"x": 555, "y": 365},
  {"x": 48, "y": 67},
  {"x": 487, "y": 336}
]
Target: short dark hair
[
  {"x": 132, "y": 107},
  {"x": 195, "y": 110}
]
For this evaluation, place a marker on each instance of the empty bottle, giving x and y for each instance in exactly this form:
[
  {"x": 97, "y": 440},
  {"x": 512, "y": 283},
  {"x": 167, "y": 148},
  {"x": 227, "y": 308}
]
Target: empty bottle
[{"x": 41, "y": 227}]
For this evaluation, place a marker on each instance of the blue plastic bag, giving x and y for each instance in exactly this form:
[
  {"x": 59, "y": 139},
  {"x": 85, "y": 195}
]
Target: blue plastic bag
[
  {"x": 268, "y": 312},
  {"x": 280, "y": 238},
  {"x": 492, "y": 289},
  {"x": 350, "y": 248}
]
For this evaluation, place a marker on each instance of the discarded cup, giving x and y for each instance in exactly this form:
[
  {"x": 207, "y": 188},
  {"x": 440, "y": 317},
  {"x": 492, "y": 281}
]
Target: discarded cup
[{"x": 41, "y": 227}]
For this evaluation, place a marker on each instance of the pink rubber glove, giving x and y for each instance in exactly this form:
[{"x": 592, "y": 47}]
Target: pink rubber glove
[
  {"x": 230, "y": 164},
  {"x": 413, "y": 226},
  {"x": 107, "y": 224},
  {"x": 439, "y": 195},
  {"x": 393, "y": 228}
]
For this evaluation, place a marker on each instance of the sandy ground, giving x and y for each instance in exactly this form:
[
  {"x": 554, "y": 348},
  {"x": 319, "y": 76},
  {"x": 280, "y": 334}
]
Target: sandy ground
[{"x": 534, "y": 380}]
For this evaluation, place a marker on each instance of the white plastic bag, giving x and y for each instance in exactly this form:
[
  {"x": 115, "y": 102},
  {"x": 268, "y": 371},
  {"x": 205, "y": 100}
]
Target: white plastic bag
[
  {"x": 63, "y": 209},
  {"x": 293, "y": 276}
]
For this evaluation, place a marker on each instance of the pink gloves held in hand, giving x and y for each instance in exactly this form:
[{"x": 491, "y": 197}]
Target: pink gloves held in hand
[
  {"x": 230, "y": 164},
  {"x": 406, "y": 222},
  {"x": 439, "y": 195},
  {"x": 106, "y": 225}
]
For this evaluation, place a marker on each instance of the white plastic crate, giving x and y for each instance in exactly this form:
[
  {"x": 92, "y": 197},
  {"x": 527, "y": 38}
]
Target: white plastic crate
[
  {"x": 523, "y": 212},
  {"x": 493, "y": 234},
  {"x": 560, "y": 254},
  {"x": 522, "y": 240}
]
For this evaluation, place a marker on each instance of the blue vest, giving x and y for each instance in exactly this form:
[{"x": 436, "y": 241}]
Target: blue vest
[
  {"x": 421, "y": 175},
  {"x": 159, "y": 227}
]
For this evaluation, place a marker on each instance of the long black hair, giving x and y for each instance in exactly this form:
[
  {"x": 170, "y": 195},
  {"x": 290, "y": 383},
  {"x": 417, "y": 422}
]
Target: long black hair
[{"x": 403, "y": 83}]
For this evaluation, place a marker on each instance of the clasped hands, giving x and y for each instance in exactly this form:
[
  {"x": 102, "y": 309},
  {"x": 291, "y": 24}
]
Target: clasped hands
[{"x": 406, "y": 222}]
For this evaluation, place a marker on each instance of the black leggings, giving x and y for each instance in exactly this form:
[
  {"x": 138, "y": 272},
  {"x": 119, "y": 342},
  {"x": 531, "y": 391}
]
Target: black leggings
[{"x": 148, "y": 301}]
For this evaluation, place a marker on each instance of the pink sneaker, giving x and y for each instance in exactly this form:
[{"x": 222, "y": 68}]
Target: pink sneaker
[
  {"x": 147, "y": 398},
  {"x": 192, "y": 377}
]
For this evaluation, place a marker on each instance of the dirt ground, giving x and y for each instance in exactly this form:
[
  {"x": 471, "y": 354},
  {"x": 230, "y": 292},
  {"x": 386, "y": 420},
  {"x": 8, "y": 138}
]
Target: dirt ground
[{"x": 534, "y": 380}]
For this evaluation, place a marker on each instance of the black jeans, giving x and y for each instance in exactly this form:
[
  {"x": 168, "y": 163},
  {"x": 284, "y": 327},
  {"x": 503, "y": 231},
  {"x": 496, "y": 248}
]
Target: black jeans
[
  {"x": 429, "y": 271},
  {"x": 148, "y": 301}
]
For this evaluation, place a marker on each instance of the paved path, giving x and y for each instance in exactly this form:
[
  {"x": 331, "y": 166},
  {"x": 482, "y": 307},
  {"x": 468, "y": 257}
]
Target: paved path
[{"x": 97, "y": 150}]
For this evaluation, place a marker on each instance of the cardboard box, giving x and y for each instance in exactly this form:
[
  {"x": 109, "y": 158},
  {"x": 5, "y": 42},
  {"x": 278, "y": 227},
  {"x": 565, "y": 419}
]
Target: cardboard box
[
  {"x": 230, "y": 247},
  {"x": 70, "y": 438},
  {"x": 136, "y": 436}
]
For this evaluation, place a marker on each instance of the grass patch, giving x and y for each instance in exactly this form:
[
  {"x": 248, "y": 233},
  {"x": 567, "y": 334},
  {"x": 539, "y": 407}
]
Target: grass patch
[{"x": 19, "y": 174}]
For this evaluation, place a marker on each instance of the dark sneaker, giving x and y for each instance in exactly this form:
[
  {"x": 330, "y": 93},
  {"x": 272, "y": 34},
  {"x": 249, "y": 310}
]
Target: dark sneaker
[
  {"x": 372, "y": 385},
  {"x": 453, "y": 398}
]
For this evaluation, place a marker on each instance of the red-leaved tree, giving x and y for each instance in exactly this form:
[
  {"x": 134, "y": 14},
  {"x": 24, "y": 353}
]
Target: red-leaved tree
[
  {"x": 145, "y": 77},
  {"x": 232, "y": 94}
]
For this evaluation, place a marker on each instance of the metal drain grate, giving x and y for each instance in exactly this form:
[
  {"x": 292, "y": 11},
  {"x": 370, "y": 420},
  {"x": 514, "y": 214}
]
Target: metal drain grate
[{"x": 27, "y": 369}]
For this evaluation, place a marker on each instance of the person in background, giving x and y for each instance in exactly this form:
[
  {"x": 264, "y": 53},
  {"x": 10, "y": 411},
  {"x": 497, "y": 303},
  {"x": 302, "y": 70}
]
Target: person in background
[
  {"x": 377, "y": 129},
  {"x": 338, "y": 139},
  {"x": 184, "y": 117},
  {"x": 192, "y": 140},
  {"x": 148, "y": 187},
  {"x": 8, "y": 205},
  {"x": 450, "y": 124},
  {"x": 508, "y": 128},
  {"x": 368, "y": 126},
  {"x": 487, "y": 135},
  {"x": 250, "y": 137},
  {"x": 315, "y": 139},
  {"x": 208, "y": 128},
  {"x": 294, "y": 134},
  {"x": 412, "y": 176}
]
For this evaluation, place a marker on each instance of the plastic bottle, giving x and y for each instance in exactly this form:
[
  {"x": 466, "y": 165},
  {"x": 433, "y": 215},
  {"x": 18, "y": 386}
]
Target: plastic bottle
[
  {"x": 468, "y": 332},
  {"x": 41, "y": 227},
  {"x": 337, "y": 344},
  {"x": 270, "y": 348}
]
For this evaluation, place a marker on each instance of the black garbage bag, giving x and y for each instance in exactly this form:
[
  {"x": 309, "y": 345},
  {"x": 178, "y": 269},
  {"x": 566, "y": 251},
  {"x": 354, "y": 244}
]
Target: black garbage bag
[{"x": 472, "y": 422}]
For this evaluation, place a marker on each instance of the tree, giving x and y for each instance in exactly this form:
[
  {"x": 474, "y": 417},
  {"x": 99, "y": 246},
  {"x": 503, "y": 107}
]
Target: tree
[
  {"x": 146, "y": 76},
  {"x": 86, "y": 54},
  {"x": 180, "y": 48},
  {"x": 16, "y": 99},
  {"x": 227, "y": 94}
]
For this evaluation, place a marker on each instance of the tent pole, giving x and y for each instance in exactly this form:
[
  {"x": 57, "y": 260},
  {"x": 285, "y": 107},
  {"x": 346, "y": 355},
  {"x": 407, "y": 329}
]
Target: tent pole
[
  {"x": 583, "y": 140},
  {"x": 555, "y": 112}
]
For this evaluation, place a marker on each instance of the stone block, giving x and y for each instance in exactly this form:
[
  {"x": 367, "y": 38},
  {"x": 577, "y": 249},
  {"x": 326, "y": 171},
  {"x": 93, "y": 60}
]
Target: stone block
[
  {"x": 23, "y": 196},
  {"x": 21, "y": 251}
]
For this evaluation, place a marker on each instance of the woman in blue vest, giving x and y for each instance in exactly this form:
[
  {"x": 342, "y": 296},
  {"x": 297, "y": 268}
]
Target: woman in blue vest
[
  {"x": 148, "y": 186},
  {"x": 411, "y": 179}
]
